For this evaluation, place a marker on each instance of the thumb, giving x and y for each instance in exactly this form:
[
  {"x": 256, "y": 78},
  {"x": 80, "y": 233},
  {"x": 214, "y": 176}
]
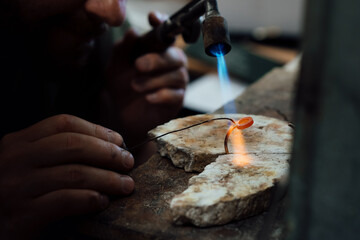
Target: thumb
[{"x": 156, "y": 18}]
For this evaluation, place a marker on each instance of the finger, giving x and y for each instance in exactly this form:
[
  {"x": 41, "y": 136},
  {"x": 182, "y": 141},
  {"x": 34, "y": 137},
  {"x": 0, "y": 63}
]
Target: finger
[
  {"x": 174, "y": 79},
  {"x": 156, "y": 18},
  {"x": 67, "y": 123},
  {"x": 75, "y": 176},
  {"x": 166, "y": 96},
  {"x": 67, "y": 202},
  {"x": 66, "y": 148},
  {"x": 172, "y": 58}
]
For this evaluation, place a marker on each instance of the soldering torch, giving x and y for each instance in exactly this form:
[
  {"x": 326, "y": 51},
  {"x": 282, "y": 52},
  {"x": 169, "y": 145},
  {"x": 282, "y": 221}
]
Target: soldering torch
[{"x": 187, "y": 22}]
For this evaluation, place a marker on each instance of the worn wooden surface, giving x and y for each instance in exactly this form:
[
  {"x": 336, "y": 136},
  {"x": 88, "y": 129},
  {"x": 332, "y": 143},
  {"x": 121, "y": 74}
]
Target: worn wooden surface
[{"x": 146, "y": 214}]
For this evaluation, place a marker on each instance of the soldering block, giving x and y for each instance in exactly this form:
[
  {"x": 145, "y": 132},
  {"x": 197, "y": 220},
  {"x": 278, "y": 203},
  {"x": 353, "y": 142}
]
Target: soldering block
[
  {"x": 195, "y": 148},
  {"x": 227, "y": 191}
]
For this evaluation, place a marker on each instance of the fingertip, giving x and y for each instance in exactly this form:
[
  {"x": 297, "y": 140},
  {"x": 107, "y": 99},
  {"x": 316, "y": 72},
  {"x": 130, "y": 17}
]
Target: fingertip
[
  {"x": 152, "y": 98},
  {"x": 143, "y": 64},
  {"x": 103, "y": 201},
  {"x": 182, "y": 56},
  {"x": 123, "y": 146},
  {"x": 178, "y": 95},
  {"x": 92, "y": 201},
  {"x": 180, "y": 92},
  {"x": 128, "y": 160},
  {"x": 116, "y": 138},
  {"x": 166, "y": 96},
  {"x": 156, "y": 18},
  {"x": 172, "y": 58},
  {"x": 127, "y": 185},
  {"x": 177, "y": 56}
]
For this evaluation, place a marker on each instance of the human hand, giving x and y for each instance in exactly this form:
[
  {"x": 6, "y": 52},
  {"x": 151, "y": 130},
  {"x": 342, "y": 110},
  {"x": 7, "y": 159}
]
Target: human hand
[
  {"x": 148, "y": 91},
  {"x": 61, "y": 166}
]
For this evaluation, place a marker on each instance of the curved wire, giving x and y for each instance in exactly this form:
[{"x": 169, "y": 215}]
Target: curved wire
[{"x": 178, "y": 130}]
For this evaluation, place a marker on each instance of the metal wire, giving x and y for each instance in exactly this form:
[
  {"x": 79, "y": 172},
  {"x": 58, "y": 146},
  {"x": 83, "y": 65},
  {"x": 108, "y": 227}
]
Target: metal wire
[
  {"x": 227, "y": 137},
  {"x": 181, "y": 129}
]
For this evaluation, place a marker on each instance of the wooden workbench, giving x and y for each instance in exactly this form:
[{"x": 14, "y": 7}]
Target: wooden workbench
[{"x": 146, "y": 214}]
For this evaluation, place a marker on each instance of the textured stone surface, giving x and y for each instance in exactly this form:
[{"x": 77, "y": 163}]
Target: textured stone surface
[
  {"x": 195, "y": 148},
  {"x": 227, "y": 191}
]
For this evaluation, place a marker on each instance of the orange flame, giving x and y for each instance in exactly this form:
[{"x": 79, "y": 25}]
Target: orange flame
[
  {"x": 237, "y": 139},
  {"x": 241, "y": 157}
]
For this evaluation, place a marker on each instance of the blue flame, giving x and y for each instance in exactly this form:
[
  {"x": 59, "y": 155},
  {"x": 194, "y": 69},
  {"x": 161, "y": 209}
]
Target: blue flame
[{"x": 218, "y": 51}]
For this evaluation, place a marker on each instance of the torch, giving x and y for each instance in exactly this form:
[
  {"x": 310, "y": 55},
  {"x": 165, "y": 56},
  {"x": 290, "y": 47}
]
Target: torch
[{"x": 186, "y": 22}]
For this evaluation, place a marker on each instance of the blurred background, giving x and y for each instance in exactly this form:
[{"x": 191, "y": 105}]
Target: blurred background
[{"x": 264, "y": 34}]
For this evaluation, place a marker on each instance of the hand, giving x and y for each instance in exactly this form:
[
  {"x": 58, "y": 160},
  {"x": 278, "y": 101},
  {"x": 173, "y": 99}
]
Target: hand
[
  {"x": 59, "y": 167},
  {"x": 147, "y": 92}
]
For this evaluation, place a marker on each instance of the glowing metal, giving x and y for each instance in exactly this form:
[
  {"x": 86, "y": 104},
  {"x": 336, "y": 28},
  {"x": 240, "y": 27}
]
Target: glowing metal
[{"x": 241, "y": 124}]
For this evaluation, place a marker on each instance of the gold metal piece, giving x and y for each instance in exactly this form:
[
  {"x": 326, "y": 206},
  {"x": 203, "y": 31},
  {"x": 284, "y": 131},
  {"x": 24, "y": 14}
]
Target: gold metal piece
[{"x": 232, "y": 127}]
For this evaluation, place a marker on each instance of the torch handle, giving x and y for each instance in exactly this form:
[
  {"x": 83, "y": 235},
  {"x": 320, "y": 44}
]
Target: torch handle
[{"x": 153, "y": 41}]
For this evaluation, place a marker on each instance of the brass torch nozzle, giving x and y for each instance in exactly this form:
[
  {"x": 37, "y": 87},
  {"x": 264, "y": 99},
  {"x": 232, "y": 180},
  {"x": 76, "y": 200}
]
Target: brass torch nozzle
[
  {"x": 186, "y": 22},
  {"x": 216, "y": 36},
  {"x": 215, "y": 31}
]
